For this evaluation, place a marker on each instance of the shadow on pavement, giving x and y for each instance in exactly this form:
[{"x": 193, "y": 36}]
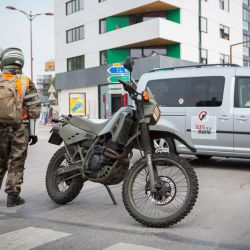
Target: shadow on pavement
[{"x": 221, "y": 163}]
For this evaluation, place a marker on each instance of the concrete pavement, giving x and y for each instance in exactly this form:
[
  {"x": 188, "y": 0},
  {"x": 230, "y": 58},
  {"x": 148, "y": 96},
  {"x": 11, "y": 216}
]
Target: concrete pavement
[{"x": 220, "y": 219}]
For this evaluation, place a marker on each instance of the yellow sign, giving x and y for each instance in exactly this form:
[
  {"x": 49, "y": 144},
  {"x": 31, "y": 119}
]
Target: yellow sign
[
  {"x": 50, "y": 66},
  {"x": 77, "y": 104}
]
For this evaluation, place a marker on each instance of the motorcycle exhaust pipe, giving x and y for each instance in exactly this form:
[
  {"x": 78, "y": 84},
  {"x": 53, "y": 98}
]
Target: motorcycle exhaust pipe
[{"x": 112, "y": 154}]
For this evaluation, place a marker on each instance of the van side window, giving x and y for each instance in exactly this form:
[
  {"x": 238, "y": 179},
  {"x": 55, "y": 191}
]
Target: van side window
[
  {"x": 207, "y": 91},
  {"x": 188, "y": 92},
  {"x": 242, "y": 92}
]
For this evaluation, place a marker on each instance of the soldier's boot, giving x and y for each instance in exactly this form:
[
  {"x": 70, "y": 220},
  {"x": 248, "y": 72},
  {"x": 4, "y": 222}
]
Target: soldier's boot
[{"x": 13, "y": 200}]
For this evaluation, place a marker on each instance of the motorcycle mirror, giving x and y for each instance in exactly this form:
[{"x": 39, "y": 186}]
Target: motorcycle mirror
[{"x": 128, "y": 64}]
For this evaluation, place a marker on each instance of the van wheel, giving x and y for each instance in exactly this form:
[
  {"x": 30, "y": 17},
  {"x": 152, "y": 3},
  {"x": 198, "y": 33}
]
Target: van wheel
[
  {"x": 163, "y": 145},
  {"x": 204, "y": 157}
]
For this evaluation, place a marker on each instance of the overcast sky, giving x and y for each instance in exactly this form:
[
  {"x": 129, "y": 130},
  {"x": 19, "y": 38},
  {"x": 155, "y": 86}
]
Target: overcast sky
[{"x": 14, "y": 31}]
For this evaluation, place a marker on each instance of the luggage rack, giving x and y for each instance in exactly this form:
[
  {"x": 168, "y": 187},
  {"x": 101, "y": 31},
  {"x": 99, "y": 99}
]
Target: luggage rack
[{"x": 195, "y": 66}]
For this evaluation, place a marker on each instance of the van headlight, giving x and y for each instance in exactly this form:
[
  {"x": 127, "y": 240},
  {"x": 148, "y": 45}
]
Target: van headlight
[{"x": 156, "y": 114}]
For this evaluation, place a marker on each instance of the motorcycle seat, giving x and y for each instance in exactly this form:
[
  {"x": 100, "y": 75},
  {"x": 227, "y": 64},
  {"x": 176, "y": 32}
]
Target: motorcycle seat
[{"x": 87, "y": 125}]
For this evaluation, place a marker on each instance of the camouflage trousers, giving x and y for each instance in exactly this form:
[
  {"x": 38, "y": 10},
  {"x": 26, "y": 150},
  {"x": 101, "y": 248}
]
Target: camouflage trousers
[{"x": 13, "y": 152}]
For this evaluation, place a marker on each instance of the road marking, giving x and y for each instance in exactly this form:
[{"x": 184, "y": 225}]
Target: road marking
[
  {"x": 125, "y": 246},
  {"x": 30, "y": 237}
]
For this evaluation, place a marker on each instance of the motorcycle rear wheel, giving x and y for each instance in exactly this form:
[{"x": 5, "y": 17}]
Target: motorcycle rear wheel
[
  {"x": 174, "y": 199},
  {"x": 61, "y": 192}
]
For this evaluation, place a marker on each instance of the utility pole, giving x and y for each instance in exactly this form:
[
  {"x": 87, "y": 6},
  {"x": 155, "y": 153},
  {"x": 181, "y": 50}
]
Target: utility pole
[{"x": 30, "y": 17}]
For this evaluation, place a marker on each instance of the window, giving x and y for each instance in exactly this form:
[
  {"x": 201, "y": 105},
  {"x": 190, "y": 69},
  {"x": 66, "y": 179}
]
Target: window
[
  {"x": 204, "y": 56},
  {"x": 246, "y": 2},
  {"x": 102, "y": 26},
  {"x": 148, "y": 51},
  {"x": 142, "y": 17},
  {"x": 203, "y": 21},
  {"x": 224, "y": 59},
  {"x": 246, "y": 63},
  {"x": 224, "y": 5},
  {"x": 74, "y": 6},
  {"x": 224, "y": 32},
  {"x": 152, "y": 15},
  {"x": 242, "y": 92},
  {"x": 103, "y": 57},
  {"x": 246, "y": 45},
  {"x": 245, "y": 19},
  {"x": 75, "y": 63},
  {"x": 189, "y": 92},
  {"x": 75, "y": 34}
]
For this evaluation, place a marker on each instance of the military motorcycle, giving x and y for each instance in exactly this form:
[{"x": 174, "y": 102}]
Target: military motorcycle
[{"x": 158, "y": 190}]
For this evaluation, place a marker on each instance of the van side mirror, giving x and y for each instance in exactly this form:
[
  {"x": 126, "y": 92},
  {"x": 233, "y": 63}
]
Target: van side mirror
[{"x": 129, "y": 64}]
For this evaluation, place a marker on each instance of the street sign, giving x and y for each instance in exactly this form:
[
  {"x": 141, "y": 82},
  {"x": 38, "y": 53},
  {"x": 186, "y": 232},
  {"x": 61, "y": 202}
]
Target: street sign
[
  {"x": 114, "y": 78},
  {"x": 52, "y": 97},
  {"x": 117, "y": 70},
  {"x": 51, "y": 89}
]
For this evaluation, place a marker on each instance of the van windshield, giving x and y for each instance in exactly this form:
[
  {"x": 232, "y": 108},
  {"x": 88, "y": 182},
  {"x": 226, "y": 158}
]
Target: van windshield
[{"x": 189, "y": 91}]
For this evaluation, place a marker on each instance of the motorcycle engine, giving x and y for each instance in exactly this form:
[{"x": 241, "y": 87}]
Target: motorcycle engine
[{"x": 99, "y": 159}]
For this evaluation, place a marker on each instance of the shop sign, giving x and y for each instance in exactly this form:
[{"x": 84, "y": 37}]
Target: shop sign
[{"x": 77, "y": 104}]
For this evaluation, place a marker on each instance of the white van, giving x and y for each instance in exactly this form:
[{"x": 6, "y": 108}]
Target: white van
[{"x": 210, "y": 104}]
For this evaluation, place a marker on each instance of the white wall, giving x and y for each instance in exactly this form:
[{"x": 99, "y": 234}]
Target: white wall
[{"x": 91, "y": 101}]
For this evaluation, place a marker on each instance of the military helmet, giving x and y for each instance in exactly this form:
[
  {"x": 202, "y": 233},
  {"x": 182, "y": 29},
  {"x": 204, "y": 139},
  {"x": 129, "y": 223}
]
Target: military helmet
[{"x": 12, "y": 56}]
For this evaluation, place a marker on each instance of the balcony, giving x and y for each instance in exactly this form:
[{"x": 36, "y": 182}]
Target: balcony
[{"x": 155, "y": 32}]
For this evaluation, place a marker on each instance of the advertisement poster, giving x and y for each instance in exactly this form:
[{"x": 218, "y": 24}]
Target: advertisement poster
[
  {"x": 203, "y": 126},
  {"x": 77, "y": 104}
]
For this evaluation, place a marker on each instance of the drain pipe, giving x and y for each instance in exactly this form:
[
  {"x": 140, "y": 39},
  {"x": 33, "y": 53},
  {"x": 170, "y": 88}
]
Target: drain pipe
[{"x": 199, "y": 22}]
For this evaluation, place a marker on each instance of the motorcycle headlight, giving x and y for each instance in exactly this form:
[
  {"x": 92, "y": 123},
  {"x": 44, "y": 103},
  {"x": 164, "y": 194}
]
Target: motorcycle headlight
[{"x": 156, "y": 113}]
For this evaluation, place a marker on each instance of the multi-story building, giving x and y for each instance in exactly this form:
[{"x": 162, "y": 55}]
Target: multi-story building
[
  {"x": 93, "y": 33},
  {"x": 43, "y": 83}
]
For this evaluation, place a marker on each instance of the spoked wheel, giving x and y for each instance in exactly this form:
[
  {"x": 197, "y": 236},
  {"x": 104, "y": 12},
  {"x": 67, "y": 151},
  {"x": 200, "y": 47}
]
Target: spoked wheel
[
  {"x": 60, "y": 189},
  {"x": 175, "y": 195}
]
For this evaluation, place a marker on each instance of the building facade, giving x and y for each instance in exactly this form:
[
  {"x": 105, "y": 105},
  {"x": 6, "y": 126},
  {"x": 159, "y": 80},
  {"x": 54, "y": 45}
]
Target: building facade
[
  {"x": 246, "y": 33},
  {"x": 91, "y": 34}
]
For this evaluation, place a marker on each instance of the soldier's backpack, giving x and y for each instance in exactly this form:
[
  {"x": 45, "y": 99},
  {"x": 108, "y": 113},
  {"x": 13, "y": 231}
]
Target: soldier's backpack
[{"x": 11, "y": 103}]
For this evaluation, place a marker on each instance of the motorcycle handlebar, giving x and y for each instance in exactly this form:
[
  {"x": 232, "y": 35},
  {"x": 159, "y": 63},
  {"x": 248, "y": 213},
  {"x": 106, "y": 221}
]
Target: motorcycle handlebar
[
  {"x": 129, "y": 88},
  {"x": 56, "y": 121}
]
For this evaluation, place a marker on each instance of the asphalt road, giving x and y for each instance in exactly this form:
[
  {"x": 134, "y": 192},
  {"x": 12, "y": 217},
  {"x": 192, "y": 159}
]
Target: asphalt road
[{"x": 220, "y": 219}]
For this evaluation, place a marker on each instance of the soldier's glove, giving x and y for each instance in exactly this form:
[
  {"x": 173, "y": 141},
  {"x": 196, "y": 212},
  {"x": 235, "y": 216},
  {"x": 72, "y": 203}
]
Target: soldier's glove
[{"x": 33, "y": 139}]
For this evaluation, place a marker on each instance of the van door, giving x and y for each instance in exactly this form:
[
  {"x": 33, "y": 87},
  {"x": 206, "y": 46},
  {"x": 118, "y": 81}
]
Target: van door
[
  {"x": 242, "y": 115},
  {"x": 209, "y": 119}
]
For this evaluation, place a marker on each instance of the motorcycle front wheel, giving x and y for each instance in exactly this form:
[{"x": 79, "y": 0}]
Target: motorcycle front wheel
[{"x": 176, "y": 194}]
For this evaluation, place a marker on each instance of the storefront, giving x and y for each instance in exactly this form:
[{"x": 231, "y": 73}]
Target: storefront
[{"x": 111, "y": 98}]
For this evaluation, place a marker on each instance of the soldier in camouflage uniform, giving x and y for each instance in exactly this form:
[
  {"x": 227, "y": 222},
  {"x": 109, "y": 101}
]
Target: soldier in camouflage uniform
[{"x": 14, "y": 139}]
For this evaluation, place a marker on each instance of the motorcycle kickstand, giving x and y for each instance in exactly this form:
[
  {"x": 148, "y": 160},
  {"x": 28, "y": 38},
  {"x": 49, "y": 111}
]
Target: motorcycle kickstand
[{"x": 111, "y": 194}]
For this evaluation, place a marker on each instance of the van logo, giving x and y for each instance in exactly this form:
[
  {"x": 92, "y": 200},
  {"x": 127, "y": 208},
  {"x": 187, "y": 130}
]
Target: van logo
[
  {"x": 181, "y": 101},
  {"x": 202, "y": 115}
]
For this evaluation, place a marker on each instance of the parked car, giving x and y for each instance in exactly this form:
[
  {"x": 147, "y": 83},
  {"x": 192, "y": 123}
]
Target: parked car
[{"x": 210, "y": 104}]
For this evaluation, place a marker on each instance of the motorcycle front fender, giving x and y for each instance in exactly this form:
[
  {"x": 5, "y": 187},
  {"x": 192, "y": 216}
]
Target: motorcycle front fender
[{"x": 164, "y": 131}]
